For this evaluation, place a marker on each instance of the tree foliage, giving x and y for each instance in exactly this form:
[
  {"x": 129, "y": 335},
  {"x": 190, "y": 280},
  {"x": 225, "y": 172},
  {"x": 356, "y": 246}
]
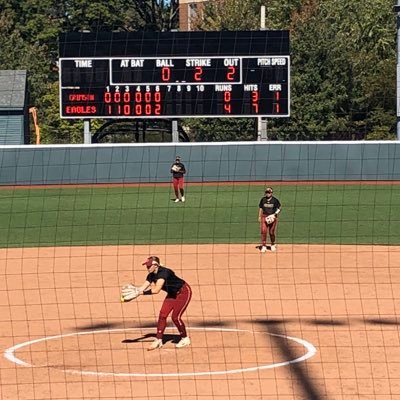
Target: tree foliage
[
  {"x": 230, "y": 15},
  {"x": 343, "y": 73},
  {"x": 224, "y": 129}
]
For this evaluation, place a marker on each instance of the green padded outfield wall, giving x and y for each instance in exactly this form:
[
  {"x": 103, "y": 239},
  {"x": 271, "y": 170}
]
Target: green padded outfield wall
[{"x": 206, "y": 162}]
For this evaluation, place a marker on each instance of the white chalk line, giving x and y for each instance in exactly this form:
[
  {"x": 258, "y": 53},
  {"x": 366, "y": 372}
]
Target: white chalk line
[{"x": 311, "y": 351}]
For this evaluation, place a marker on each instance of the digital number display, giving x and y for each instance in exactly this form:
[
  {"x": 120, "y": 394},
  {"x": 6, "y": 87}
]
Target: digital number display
[{"x": 217, "y": 81}]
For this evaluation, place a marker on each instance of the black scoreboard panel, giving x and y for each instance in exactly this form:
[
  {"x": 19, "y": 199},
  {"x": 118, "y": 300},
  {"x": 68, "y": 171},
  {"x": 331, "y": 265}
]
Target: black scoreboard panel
[{"x": 174, "y": 74}]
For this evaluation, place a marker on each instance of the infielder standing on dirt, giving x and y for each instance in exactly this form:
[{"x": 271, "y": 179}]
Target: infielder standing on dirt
[
  {"x": 269, "y": 209},
  {"x": 178, "y": 171},
  {"x": 178, "y": 298}
]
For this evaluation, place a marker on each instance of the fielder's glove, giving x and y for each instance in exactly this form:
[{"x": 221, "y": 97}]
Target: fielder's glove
[
  {"x": 128, "y": 293},
  {"x": 175, "y": 168},
  {"x": 270, "y": 219}
]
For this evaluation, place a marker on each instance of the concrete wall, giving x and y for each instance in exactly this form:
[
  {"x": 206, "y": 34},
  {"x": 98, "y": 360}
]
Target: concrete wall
[{"x": 233, "y": 161}]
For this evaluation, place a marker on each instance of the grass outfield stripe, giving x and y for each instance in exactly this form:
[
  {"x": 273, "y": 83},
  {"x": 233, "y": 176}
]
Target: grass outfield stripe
[{"x": 314, "y": 214}]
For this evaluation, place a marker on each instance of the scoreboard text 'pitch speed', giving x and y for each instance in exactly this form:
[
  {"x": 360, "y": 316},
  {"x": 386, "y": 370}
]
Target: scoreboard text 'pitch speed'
[{"x": 174, "y": 74}]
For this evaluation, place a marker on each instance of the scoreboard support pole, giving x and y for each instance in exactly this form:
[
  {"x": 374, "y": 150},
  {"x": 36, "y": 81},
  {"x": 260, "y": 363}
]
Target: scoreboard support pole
[
  {"x": 87, "y": 135},
  {"x": 175, "y": 132},
  {"x": 262, "y": 134}
]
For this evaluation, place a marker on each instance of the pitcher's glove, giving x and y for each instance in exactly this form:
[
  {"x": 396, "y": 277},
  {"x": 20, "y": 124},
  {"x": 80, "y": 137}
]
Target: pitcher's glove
[
  {"x": 128, "y": 293},
  {"x": 270, "y": 219}
]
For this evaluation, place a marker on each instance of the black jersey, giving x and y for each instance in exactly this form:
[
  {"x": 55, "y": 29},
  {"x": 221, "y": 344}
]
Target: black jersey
[
  {"x": 269, "y": 205},
  {"x": 180, "y": 170},
  {"x": 172, "y": 283}
]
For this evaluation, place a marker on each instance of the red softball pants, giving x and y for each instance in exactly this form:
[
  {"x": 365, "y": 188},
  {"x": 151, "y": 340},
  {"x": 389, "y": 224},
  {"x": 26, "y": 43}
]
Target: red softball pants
[
  {"x": 268, "y": 227},
  {"x": 178, "y": 183},
  {"x": 178, "y": 306}
]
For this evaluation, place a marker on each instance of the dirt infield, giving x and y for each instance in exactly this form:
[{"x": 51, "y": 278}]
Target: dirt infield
[{"x": 306, "y": 322}]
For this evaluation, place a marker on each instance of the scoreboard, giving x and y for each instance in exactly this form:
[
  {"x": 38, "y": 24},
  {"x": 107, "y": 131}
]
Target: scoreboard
[{"x": 174, "y": 74}]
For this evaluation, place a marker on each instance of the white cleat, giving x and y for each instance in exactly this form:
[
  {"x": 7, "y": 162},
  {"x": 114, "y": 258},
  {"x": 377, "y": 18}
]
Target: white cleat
[
  {"x": 273, "y": 248},
  {"x": 176, "y": 200},
  {"x": 183, "y": 199},
  {"x": 183, "y": 342},
  {"x": 263, "y": 249},
  {"x": 155, "y": 345}
]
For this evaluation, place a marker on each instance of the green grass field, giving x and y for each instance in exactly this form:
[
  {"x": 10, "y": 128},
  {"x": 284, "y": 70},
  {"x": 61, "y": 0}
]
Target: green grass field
[{"x": 329, "y": 214}]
